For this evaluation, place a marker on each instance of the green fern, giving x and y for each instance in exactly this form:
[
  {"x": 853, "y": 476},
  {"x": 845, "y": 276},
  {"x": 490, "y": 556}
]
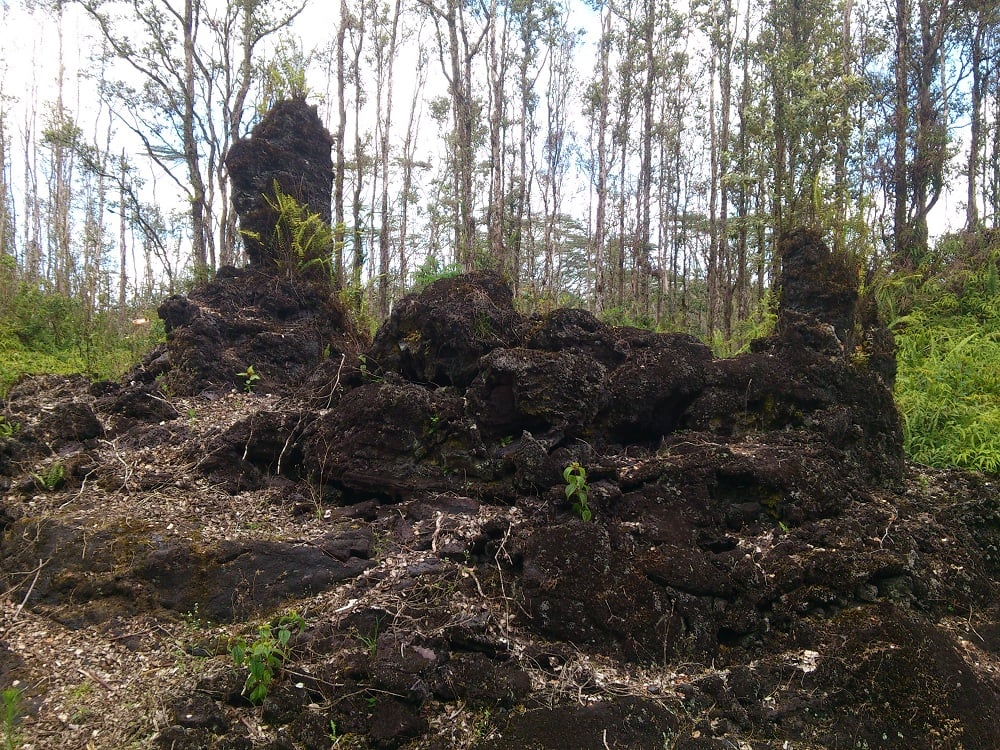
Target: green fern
[{"x": 302, "y": 243}]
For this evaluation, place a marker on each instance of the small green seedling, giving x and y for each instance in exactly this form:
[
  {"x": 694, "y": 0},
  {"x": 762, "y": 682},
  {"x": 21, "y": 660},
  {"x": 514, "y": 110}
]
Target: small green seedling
[
  {"x": 10, "y": 714},
  {"x": 8, "y": 429},
  {"x": 265, "y": 657},
  {"x": 577, "y": 490},
  {"x": 250, "y": 378},
  {"x": 52, "y": 478}
]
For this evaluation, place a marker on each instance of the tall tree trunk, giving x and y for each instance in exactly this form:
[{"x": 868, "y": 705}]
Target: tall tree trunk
[
  {"x": 902, "y": 245},
  {"x": 743, "y": 200},
  {"x": 643, "y": 236},
  {"x": 122, "y": 245},
  {"x": 600, "y": 214},
  {"x": 409, "y": 155},
  {"x": 496, "y": 210},
  {"x": 840, "y": 185},
  {"x": 725, "y": 93},
  {"x": 199, "y": 229},
  {"x": 975, "y": 124},
  {"x": 359, "y": 160},
  {"x": 458, "y": 71},
  {"x": 340, "y": 165},
  {"x": 386, "y": 122},
  {"x": 713, "y": 274}
]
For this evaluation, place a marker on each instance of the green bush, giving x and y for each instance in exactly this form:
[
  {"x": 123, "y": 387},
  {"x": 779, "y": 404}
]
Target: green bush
[{"x": 431, "y": 270}]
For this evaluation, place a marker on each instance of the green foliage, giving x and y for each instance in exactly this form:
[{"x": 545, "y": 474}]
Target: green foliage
[
  {"x": 431, "y": 270},
  {"x": 8, "y": 429},
  {"x": 250, "y": 378},
  {"x": 948, "y": 385},
  {"x": 370, "y": 640},
  {"x": 618, "y": 316},
  {"x": 758, "y": 325},
  {"x": 284, "y": 76},
  {"x": 302, "y": 243},
  {"x": 265, "y": 657},
  {"x": 10, "y": 714},
  {"x": 51, "y": 478},
  {"x": 577, "y": 490},
  {"x": 43, "y": 331},
  {"x": 354, "y": 298}
]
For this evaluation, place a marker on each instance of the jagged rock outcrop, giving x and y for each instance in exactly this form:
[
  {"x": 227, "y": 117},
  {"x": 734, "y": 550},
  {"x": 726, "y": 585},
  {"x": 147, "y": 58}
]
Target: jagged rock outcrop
[
  {"x": 437, "y": 337},
  {"x": 283, "y": 328},
  {"x": 289, "y": 148}
]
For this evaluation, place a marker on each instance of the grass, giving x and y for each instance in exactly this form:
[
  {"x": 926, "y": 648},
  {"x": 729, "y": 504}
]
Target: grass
[
  {"x": 106, "y": 356},
  {"x": 10, "y": 715}
]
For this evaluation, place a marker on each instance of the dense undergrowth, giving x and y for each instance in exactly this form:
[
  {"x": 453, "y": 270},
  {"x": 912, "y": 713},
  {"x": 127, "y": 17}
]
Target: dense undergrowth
[
  {"x": 946, "y": 317},
  {"x": 44, "y": 331}
]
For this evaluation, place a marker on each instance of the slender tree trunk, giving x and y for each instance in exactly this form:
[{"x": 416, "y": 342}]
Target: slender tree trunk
[
  {"x": 743, "y": 200},
  {"x": 901, "y": 119},
  {"x": 840, "y": 186},
  {"x": 725, "y": 92},
  {"x": 643, "y": 238},
  {"x": 409, "y": 155},
  {"x": 340, "y": 166},
  {"x": 32, "y": 267},
  {"x": 8, "y": 229},
  {"x": 122, "y": 245},
  {"x": 199, "y": 229},
  {"x": 520, "y": 222},
  {"x": 600, "y": 214},
  {"x": 359, "y": 160},
  {"x": 384, "y": 249},
  {"x": 496, "y": 210},
  {"x": 63, "y": 134},
  {"x": 975, "y": 126},
  {"x": 712, "y": 270}
]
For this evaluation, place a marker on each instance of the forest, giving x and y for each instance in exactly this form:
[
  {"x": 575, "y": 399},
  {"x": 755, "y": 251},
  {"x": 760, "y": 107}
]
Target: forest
[{"x": 637, "y": 158}]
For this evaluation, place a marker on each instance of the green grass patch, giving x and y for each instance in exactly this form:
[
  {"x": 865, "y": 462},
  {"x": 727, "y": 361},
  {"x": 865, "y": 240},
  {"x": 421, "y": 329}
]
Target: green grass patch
[
  {"x": 17, "y": 360},
  {"x": 47, "y": 333}
]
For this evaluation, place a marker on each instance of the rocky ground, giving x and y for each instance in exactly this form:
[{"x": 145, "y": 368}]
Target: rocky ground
[{"x": 761, "y": 569}]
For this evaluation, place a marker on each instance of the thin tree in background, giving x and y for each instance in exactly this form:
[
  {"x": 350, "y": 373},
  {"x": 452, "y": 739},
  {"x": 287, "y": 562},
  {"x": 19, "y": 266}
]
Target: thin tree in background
[
  {"x": 8, "y": 226},
  {"x": 597, "y": 107},
  {"x": 497, "y": 71},
  {"x": 383, "y": 125},
  {"x": 409, "y": 163},
  {"x": 561, "y": 42},
  {"x": 340, "y": 159},
  {"x": 360, "y": 157},
  {"x": 457, "y": 52}
]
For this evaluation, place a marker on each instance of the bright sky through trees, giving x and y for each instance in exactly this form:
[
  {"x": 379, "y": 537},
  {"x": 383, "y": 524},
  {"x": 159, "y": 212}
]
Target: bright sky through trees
[{"x": 639, "y": 156}]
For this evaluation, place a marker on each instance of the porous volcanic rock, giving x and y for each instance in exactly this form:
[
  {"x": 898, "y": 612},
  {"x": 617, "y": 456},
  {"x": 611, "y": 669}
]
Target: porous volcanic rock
[
  {"x": 283, "y": 328},
  {"x": 814, "y": 282},
  {"x": 391, "y": 438},
  {"x": 289, "y": 148},
  {"x": 437, "y": 337}
]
